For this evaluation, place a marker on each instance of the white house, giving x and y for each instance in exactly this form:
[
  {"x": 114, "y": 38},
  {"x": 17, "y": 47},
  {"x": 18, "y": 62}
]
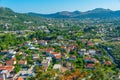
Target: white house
[
  {"x": 45, "y": 62},
  {"x": 57, "y": 66},
  {"x": 92, "y": 52},
  {"x": 12, "y": 52}
]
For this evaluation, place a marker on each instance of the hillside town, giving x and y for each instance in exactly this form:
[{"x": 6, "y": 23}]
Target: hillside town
[{"x": 37, "y": 48}]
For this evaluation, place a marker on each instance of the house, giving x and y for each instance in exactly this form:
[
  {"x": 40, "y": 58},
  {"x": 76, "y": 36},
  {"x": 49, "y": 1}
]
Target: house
[
  {"x": 19, "y": 53},
  {"x": 58, "y": 57},
  {"x": 12, "y": 52},
  {"x": 0, "y": 64},
  {"x": 63, "y": 69},
  {"x": 9, "y": 68},
  {"x": 90, "y": 43},
  {"x": 45, "y": 62},
  {"x": 11, "y": 62},
  {"x": 94, "y": 60},
  {"x": 63, "y": 47},
  {"x": 72, "y": 47},
  {"x": 11, "y": 56},
  {"x": 90, "y": 66},
  {"x": 4, "y": 74},
  {"x": 43, "y": 42},
  {"x": 32, "y": 48},
  {"x": 82, "y": 52},
  {"x": 68, "y": 49},
  {"x": 53, "y": 54},
  {"x": 49, "y": 50},
  {"x": 35, "y": 41},
  {"x": 88, "y": 59},
  {"x": 45, "y": 68},
  {"x": 22, "y": 62},
  {"x": 72, "y": 58},
  {"x": 28, "y": 44},
  {"x": 92, "y": 52},
  {"x": 60, "y": 37},
  {"x": 108, "y": 63},
  {"x": 69, "y": 66},
  {"x": 20, "y": 78},
  {"x": 49, "y": 58},
  {"x": 35, "y": 56},
  {"x": 83, "y": 41},
  {"x": 3, "y": 52},
  {"x": 57, "y": 66}
]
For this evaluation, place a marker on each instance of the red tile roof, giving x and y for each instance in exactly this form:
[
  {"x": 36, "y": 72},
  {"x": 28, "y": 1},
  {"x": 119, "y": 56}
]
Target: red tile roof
[
  {"x": 55, "y": 53},
  {"x": 9, "y": 68},
  {"x": 108, "y": 63},
  {"x": 58, "y": 56},
  {"x": 49, "y": 49},
  {"x": 20, "y": 78},
  {"x": 90, "y": 65},
  {"x": 1, "y": 79},
  {"x": 22, "y": 62},
  {"x": 0, "y": 64},
  {"x": 10, "y": 62},
  {"x": 90, "y": 44},
  {"x": 34, "y": 39}
]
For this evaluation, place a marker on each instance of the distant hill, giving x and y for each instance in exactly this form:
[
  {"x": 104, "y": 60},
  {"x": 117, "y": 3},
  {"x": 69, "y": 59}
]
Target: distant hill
[
  {"x": 21, "y": 21},
  {"x": 16, "y": 21},
  {"x": 95, "y": 13}
]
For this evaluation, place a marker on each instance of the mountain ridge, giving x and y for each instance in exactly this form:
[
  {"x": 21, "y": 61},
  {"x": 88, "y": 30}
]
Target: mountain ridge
[{"x": 94, "y": 13}]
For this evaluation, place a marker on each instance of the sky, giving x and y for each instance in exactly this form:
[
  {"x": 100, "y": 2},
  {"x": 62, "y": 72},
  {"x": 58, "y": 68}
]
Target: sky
[{"x": 52, "y": 6}]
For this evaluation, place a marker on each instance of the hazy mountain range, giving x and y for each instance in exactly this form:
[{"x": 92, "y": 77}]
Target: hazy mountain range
[{"x": 95, "y": 13}]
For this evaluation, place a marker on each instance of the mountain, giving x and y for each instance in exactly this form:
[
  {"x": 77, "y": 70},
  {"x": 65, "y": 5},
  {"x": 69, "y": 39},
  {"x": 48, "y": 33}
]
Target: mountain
[
  {"x": 16, "y": 21},
  {"x": 95, "y": 13},
  {"x": 63, "y": 14}
]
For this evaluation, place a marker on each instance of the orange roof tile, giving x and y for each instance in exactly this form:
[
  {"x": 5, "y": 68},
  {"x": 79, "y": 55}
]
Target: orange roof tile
[
  {"x": 55, "y": 53},
  {"x": 20, "y": 78},
  {"x": 58, "y": 56},
  {"x": 22, "y": 62},
  {"x": 9, "y": 68}
]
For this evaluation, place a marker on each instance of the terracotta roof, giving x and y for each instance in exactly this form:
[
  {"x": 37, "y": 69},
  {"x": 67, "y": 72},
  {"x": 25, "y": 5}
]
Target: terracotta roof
[
  {"x": 49, "y": 49},
  {"x": 20, "y": 78},
  {"x": 108, "y": 63},
  {"x": 34, "y": 39},
  {"x": 1, "y": 79},
  {"x": 22, "y": 62},
  {"x": 14, "y": 59},
  {"x": 9, "y": 68},
  {"x": 10, "y": 62},
  {"x": 58, "y": 56},
  {"x": 63, "y": 47},
  {"x": 88, "y": 58},
  {"x": 55, "y": 53},
  {"x": 90, "y": 65},
  {"x": 0, "y": 64},
  {"x": 90, "y": 43}
]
